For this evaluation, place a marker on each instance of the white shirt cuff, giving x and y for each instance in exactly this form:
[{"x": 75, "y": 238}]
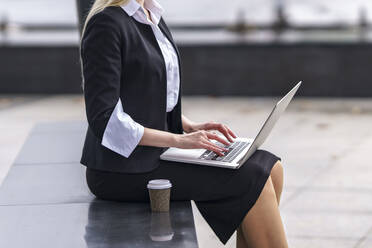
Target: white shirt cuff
[{"x": 122, "y": 133}]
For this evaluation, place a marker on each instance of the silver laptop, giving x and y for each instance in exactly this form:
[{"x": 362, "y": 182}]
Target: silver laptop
[{"x": 239, "y": 150}]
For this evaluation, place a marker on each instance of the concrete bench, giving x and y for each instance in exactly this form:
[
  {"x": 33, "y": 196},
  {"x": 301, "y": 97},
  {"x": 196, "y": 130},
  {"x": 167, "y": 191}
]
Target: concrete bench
[{"x": 45, "y": 202}]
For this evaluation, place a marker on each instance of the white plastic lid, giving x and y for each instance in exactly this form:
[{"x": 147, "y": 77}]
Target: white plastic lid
[{"x": 159, "y": 184}]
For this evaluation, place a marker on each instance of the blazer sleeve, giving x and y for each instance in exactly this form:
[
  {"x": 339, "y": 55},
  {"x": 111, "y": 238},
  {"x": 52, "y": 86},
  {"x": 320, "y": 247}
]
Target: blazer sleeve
[{"x": 101, "y": 62}]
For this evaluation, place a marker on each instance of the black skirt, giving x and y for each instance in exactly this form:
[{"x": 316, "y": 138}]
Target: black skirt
[{"x": 223, "y": 196}]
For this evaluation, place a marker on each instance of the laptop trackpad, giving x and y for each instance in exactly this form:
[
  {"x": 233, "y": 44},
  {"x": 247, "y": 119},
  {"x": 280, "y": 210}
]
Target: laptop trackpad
[{"x": 183, "y": 153}]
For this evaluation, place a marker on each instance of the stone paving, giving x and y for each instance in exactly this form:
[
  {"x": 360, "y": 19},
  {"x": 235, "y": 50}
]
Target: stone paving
[{"x": 324, "y": 145}]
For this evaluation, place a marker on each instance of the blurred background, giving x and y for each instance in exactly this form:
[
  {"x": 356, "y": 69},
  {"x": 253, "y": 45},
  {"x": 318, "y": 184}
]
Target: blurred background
[
  {"x": 238, "y": 57},
  {"x": 237, "y": 48}
]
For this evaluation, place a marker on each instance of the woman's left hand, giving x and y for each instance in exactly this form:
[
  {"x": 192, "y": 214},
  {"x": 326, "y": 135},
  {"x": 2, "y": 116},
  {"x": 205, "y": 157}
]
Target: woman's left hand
[{"x": 223, "y": 129}]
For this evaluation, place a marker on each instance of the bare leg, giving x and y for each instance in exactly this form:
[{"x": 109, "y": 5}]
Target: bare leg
[
  {"x": 240, "y": 240},
  {"x": 277, "y": 179},
  {"x": 262, "y": 226}
]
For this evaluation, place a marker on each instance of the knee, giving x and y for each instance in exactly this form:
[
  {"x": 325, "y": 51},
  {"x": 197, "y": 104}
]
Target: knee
[
  {"x": 268, "y": 190},
  {"x": 277, "y": 171}
]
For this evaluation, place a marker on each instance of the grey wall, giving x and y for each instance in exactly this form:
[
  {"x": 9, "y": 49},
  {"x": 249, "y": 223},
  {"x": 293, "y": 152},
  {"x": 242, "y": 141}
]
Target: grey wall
[
  {"x": 245, "y": 69},
  {"x": 326, "y": 69},
  {"x": 39, "y": 70}
]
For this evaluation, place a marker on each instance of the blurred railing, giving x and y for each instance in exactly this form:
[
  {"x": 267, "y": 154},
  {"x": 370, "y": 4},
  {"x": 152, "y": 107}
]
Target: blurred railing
[
  {"x": 239, "y": 58},
  {"x": 361, "y": 30}
]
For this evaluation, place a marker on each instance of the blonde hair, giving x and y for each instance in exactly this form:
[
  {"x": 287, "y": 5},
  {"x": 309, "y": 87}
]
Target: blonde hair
[{"x": 98, "y": 6}]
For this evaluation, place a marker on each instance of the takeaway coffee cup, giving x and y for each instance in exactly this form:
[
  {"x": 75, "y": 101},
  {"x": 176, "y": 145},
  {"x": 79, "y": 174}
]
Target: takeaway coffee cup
[{"x": 159, "y": 191}]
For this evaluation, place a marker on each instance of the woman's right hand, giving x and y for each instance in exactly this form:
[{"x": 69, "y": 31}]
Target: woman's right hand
[{"x": 201, "y": 140}]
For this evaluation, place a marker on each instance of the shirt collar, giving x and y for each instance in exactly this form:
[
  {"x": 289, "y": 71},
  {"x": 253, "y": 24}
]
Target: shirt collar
[{"x": 132, "y": 6}]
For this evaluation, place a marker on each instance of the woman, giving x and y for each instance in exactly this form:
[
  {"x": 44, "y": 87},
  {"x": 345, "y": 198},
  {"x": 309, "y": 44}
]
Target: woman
[{"x": 132, "y": 92}]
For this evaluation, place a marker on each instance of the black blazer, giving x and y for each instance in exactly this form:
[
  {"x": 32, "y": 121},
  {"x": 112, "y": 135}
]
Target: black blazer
[{"x": 121, "y": 58}]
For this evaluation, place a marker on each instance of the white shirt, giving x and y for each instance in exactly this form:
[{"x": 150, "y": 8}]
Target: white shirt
[{"x": 122, "y": 133}]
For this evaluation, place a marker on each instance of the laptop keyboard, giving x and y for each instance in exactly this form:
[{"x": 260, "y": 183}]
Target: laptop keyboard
[{"x": 234, "y": 150}]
